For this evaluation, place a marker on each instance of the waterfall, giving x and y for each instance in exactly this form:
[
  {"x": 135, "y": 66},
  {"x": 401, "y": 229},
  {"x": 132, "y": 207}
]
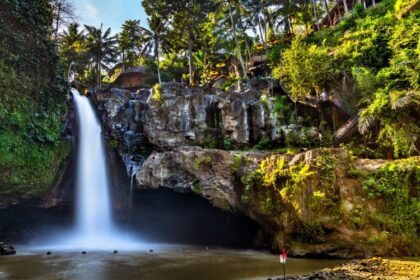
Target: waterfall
[
  {"x": 93, "y": 204},
  {"x": 94, "y": 225}
]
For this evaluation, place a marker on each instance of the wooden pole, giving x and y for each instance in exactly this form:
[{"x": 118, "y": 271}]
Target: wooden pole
[{"x": 284, "y": 271}]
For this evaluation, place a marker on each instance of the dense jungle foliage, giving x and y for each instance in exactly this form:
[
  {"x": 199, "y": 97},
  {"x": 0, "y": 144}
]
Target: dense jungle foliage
[
  {"x": 370, "y": 59},
  {"x": 378, "y": 50},
  {"x": 33, "y": 94}
]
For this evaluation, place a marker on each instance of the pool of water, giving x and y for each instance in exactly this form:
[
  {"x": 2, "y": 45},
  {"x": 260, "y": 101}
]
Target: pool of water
[{"x": 165, "y": 262}]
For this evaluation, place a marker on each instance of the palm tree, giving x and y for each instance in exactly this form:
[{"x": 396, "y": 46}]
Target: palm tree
[
  {"x": 129, "y": 41},
  {"x": 155, "y": 39},
  {"x": 100, "y": 48},
  {"x": 256, "y": 18},
  {"x": 283, "y": 13},
  {"x": 232, "y": 6},
  {"x": 71, "y": 45}
]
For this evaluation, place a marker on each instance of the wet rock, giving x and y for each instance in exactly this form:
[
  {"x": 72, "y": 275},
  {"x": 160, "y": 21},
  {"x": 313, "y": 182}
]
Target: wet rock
[
  {"x": 205, "y": 172},
  {"x": 6, "y": 249}
]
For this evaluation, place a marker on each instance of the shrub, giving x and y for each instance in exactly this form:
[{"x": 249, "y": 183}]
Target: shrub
[
  {"x": 202, "y": 162},
  {"x": 305, "y": 68},
  {"x": 157, "y": 93}
]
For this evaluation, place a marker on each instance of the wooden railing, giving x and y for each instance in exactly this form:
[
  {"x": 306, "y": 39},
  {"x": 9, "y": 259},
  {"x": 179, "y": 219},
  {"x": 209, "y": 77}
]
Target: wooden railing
[{"x": 346, "y": 130}]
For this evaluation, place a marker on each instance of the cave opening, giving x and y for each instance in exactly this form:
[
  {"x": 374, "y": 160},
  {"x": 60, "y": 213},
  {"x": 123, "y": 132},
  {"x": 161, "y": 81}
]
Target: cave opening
[
  {"x": 213, "y": 116},
  {"x": 163, "y": 215},
  {"x": 158, "y": 216},
  {"x": 250, "y": 121}
]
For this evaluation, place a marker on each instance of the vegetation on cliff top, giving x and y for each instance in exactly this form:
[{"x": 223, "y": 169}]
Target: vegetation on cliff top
[
  {"x": 379, "y": 52},
  {"x": 32, "y": 99},
  {"x": 370, "y": 59}
]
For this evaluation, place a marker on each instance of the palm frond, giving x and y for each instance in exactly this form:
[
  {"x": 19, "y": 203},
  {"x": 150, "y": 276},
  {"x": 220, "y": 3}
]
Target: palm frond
[
  {"x": 406, "y": 100},
  {"x": 366, "y": 122}
]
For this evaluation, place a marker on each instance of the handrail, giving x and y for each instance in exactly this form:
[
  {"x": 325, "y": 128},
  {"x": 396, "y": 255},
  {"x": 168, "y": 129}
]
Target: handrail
[{"x": 346, "y": 129}]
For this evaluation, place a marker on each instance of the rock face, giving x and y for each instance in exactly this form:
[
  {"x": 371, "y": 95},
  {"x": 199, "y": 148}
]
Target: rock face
[
  {"x": 184, "y": 116},
  {"x": 313, "y": 202},
  {"x": 316, "y": 216},
  {"x": 206, "y": 172}
]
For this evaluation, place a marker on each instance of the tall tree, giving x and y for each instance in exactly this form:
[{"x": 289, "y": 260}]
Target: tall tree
[
  {"x": 101, "y": 48},
  {"x": 72, "y": 46},
  {"x": 346, "y": 9},
  {"x": 155, "y": 39},
  {"x": 257, "y": 11},
  {"x": 64, "y": 13},
  {"x": 186, "y": 18},
  {"x": 327, "y": 9},
  {"x": 230, "y": 7},
  {"x": 283, "y": 13},
  {"x": 130, "y": 41}
]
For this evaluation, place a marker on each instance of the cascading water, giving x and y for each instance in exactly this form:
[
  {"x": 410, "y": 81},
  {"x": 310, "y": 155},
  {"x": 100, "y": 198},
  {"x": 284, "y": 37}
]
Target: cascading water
[
  {"x": 94, "y": 225},
  {"x": 93, "y": 204}
]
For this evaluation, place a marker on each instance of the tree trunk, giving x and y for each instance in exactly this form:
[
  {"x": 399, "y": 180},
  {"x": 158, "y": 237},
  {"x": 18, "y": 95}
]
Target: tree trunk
[
  {"x": 290, "y": 24},
  {"x": 271, "y": 24},
  {"x": 57, "y": 21},
  {"x": 346, "y": 9},
  {"x": 328, "y": 12},
  {"x": 238, "y": 46},
  {"x": 123, "y": 62},
  {"x": 263, "y": 37},
  {"x": 315, "y": 14},
  {"x": 337, "y": 3},
  {"x": 248, "y": 50},
  {"x": 190, "y": 57},
  {"x": 99, "y": 74},
  {"x": 157, "y": 58}
]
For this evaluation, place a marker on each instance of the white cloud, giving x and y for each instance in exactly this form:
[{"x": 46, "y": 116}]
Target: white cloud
[{"x": 91, "y": 14}]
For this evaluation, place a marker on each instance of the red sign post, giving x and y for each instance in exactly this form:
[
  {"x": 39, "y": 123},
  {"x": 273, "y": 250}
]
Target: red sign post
[{"x": 283, "y": 258}]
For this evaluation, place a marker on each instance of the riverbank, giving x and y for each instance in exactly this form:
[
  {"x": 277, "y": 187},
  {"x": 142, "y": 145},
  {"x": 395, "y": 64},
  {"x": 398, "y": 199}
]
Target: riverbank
[{"x": 373, "y": 268}]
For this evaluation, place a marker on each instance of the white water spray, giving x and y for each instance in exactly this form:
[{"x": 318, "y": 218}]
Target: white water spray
[
  {"x": 93, "y": 204},
  {"x": 94, "y": 225}
]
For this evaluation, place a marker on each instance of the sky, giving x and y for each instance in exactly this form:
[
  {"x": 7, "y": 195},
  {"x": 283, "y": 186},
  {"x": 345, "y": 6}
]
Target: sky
[{"x": 112, "y": 13}]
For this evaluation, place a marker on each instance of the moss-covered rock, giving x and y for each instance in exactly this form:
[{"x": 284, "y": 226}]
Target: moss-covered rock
[{"x": 315, "y": 203}]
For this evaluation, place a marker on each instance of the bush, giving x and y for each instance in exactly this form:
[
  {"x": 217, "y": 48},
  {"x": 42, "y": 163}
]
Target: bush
[
  {"x": 157, "y": 93},
  {"x": 305, "y": 69},
  {"x": 396, "y": 183}
]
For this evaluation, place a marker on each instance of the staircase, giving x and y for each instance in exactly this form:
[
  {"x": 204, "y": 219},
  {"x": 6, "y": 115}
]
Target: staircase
[
  {"x": 346, "y": 130},
  {"x": 348, "y": 127},
  {"x": 344, "y": 106}
]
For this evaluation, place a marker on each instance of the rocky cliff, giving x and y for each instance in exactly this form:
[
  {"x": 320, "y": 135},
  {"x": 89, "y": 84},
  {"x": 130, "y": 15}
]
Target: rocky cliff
[
  {"x": 174, "y": 115},
  {"x": 318, "y": 202},
  {"x": 315, "y": 202}
]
